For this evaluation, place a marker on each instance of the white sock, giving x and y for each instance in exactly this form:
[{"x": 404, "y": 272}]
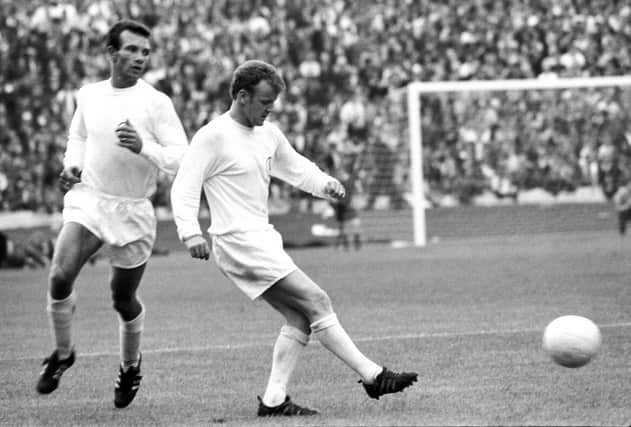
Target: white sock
[
  {"x": 60, "y": 314},
  {"x": 335, "y": 339},
  {"x": 287, "y": 349},
  {"x": 130, "y": 334}
]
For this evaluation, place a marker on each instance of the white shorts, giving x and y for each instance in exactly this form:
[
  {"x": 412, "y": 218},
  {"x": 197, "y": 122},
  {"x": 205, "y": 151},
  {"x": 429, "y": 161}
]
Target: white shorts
[
  {"x": 127, "y": 227},
  {"x": 252, "y": 260}
]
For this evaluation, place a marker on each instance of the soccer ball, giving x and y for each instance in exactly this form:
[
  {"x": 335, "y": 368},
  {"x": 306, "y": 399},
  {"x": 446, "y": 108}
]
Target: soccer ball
[{"x": 571, "y": 341}]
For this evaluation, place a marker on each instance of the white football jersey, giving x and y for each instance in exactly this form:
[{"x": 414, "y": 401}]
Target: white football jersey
[
  {"x": 233, "y": 165},
  {"x": 92, "y": 141}
]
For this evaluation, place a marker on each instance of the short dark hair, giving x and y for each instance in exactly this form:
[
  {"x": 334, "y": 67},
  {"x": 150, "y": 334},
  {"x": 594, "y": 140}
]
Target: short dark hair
[
  {"x": 112, "y": 38},
  {"x": 250, "y": 73}
]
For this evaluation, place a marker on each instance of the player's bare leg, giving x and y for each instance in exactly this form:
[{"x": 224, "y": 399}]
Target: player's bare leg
[
  {"x": 75, "y": 244},
  {"x": 124, "y": 285}
]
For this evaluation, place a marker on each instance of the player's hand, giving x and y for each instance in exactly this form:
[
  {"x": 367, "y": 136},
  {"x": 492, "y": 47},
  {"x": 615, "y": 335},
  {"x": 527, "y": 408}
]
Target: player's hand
[
  {"x": 68, "y": 177},
  {"x": 128, "y": 137},
  {"x": 198, "y": 247},
  {"x": 335, "y": 190}
]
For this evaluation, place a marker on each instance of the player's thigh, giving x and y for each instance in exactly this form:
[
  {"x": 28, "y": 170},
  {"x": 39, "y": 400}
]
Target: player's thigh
[
  {"x": 298, "y": 292},
  {"x": 75, "y": 245},
  {"x": 125, "y": 281}
]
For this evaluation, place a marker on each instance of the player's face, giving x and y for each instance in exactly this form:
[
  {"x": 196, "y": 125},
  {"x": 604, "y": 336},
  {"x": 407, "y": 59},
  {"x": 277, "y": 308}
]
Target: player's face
[
  {"x": 260, "y": 103},
  {"x": 130, "y": 61}
]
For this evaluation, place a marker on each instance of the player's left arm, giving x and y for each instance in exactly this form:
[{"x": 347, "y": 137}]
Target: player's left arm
[
  {"x": 171, "y": 143},
  {"x": 302, "y": 173}
]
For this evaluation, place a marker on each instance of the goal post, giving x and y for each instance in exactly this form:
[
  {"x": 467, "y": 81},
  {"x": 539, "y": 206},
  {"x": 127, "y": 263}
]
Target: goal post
[{"x": 415, "y": 91}]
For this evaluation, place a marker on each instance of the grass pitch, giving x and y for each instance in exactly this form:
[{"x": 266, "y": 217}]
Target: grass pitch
[{"x": 466, "y": 313}]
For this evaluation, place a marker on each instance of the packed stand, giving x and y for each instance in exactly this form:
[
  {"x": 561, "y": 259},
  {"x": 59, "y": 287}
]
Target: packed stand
[{"x": 345, "y": 62}]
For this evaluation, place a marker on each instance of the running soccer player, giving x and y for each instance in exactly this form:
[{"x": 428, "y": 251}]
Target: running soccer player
[
  {"x": 122, "y": 132},
  {"x": 232, "y": 159}
]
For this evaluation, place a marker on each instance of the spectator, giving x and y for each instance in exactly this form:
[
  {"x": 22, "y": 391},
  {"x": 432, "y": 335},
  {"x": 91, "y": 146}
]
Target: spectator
[{"x": 346, "y": 62}]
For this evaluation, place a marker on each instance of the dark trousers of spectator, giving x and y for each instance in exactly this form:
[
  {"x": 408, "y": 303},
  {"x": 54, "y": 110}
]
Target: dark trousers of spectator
[{"x": 624, "y": 216}]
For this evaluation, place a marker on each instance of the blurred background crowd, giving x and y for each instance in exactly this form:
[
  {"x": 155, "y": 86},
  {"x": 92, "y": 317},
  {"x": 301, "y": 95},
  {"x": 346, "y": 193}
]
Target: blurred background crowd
[{"x": 346, "y": 63}]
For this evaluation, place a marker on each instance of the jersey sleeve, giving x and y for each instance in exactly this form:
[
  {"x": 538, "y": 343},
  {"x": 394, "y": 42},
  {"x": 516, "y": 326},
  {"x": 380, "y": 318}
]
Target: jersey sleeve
[
  {"x": 295, "y": 169},
  {"x": 187, "y": 187},
  {"x": 77, "y": 136},
  {"x": 172, "y": 140}
]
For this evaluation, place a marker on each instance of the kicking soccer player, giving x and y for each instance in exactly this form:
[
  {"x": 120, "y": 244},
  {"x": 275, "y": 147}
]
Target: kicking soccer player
[
  {"x": 232, "y": 159},
  {"x": 123, "y": 131}
]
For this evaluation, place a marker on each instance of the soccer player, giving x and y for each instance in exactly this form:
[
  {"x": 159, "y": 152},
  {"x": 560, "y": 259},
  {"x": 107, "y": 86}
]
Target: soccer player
[
  {"x": 346, "y": 213},
  {"x": 232, "y": 159},
  {"x": 622, "y": 204},
  {"x": 122, "y": 132}
]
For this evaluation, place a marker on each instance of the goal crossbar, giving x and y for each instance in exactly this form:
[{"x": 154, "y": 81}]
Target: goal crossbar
[
  {"x": 415, "y": 89},
  {"x": 518, "y": 84}
]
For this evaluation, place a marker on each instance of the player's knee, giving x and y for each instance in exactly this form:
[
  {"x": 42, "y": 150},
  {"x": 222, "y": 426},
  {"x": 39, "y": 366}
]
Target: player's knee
[
  {"x": 299, "y": 322},
  {"x": 127, "y": 306},
  {"x": 321, "y": 304},
  {"x": 60, "y": 280}
]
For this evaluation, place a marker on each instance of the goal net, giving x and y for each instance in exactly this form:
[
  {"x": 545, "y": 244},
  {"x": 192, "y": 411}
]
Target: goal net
[{"x": 507, "y": 137}]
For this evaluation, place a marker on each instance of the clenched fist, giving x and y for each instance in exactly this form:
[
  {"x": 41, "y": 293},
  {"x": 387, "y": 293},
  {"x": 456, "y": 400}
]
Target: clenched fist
[
  {"x": 68, "y": 177},
  {"x": 198, "y": 247},
  {"x": 335, "y": 190},
  {"x": 128, "y": 137}
]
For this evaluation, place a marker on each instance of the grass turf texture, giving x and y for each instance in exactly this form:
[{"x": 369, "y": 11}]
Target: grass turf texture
[{"x": 466, "y": 313}]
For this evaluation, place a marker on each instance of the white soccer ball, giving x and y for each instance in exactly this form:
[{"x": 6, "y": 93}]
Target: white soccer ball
[{"x": 571, "y": 341}]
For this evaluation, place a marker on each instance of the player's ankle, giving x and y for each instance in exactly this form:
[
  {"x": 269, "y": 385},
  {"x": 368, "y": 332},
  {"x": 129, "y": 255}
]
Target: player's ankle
[
  {"x": 64, "y": 353},
  {"x": 273, "y": 397}
]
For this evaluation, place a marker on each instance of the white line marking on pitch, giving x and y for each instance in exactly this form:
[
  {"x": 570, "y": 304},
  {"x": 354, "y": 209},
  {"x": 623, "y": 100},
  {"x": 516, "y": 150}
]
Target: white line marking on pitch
[{"x": 359, "y": 339}]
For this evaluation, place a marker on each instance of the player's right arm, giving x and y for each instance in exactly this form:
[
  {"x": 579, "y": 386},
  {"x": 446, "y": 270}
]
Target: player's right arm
[
  {"x": 75, "y": 148},
  {"x": 186, "y": 194}
]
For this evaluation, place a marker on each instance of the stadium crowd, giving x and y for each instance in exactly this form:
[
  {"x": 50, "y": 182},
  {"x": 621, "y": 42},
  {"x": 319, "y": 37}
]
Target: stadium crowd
[{"x": 345, "y": 62}]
